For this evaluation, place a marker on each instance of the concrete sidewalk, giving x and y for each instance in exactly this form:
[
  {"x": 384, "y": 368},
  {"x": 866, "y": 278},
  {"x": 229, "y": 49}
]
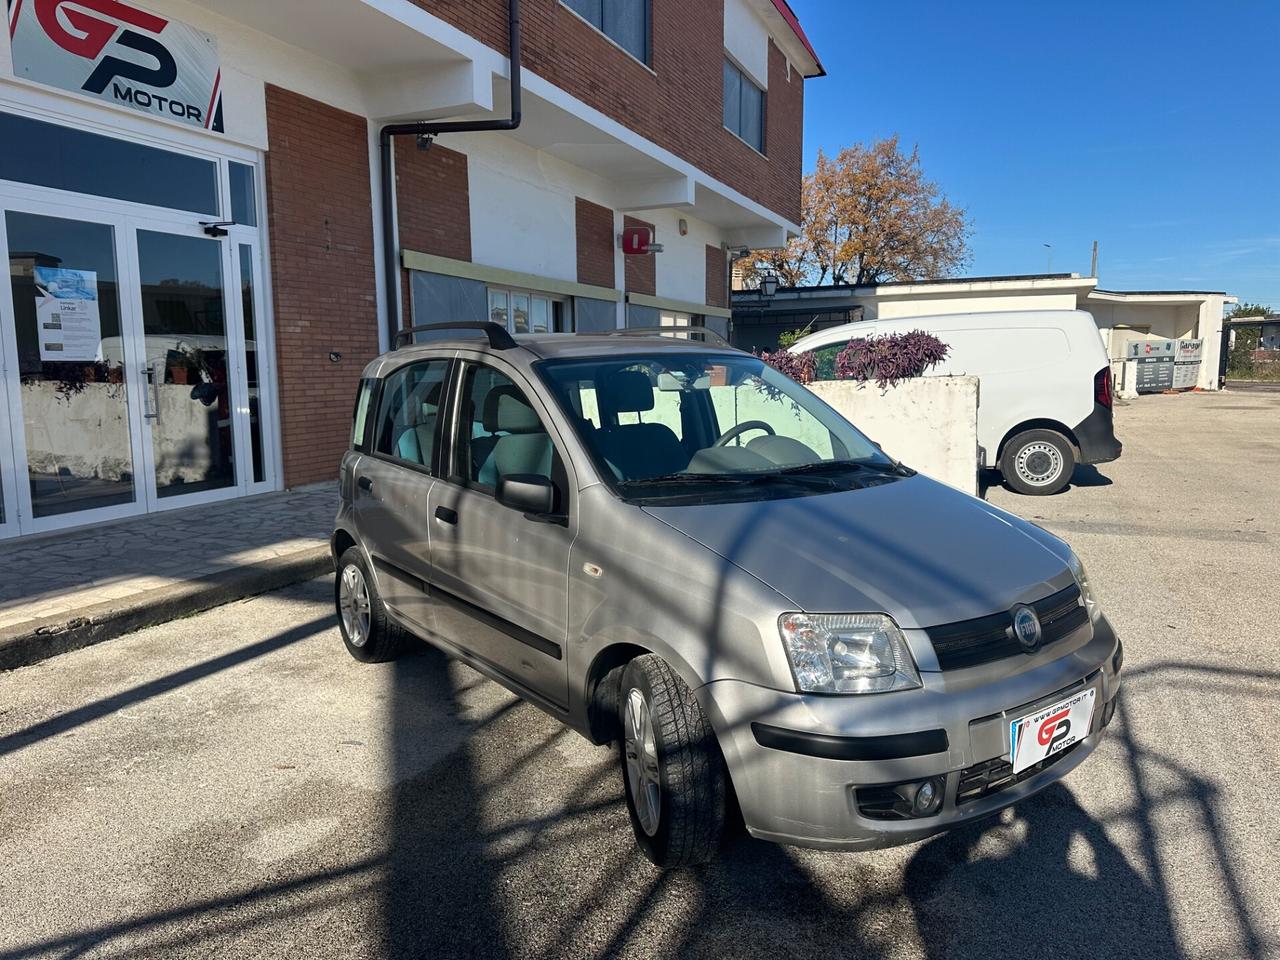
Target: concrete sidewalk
[{"x": 68, "y": 590}]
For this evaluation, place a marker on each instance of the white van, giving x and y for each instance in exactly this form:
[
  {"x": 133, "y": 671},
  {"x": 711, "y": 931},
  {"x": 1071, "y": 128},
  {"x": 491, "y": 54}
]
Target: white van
[{"x": 1045, "y": 394}]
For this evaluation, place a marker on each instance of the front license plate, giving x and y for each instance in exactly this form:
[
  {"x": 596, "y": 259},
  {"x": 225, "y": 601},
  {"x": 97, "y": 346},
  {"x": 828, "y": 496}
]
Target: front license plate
[{"x": 1051, "y": 730}]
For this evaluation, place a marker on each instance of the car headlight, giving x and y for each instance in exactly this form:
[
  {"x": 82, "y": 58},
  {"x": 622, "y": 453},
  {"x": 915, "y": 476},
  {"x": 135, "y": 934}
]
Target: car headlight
[
  {"x": 847, "y": 653},
  {"x": 1086, "y": 590}
]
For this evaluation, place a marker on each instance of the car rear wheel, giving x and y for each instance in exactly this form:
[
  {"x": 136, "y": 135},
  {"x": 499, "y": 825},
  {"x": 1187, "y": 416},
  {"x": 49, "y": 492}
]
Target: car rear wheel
[
  {"x": 672, "y": 768},
  {"x": 367, "y": 632},
  {"x": 1038, "y": 462}
]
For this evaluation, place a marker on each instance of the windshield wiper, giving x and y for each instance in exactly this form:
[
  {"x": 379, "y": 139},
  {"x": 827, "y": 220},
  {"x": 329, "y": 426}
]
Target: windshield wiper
[
  {"x": 674, "y": 479},
  {"x": 821, "y": 466}
]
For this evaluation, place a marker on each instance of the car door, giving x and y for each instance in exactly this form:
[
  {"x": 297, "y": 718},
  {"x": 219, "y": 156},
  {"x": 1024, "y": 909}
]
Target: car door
[
  {"x": 499, "y": 578},
  {"x": 393, "y": 481}
]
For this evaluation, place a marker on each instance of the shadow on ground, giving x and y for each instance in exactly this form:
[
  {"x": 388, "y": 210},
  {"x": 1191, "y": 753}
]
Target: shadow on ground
[{"x": 1084, "y": 475}]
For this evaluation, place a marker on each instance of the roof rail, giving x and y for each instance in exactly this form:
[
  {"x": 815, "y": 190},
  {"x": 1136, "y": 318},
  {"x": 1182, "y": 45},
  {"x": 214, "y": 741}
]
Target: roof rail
[
  {"x": 705, "y": 334},
  {"x": 499, "y": 338}
]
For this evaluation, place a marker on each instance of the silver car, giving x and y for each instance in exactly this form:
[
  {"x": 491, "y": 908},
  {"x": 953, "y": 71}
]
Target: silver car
[{"x": 669, "y": 545}]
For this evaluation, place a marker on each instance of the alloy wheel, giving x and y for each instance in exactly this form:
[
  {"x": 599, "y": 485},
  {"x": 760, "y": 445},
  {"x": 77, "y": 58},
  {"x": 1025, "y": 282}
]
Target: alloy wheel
[
  {"x": 353, "y": 605},
  {"x": 641, "y": 752}
]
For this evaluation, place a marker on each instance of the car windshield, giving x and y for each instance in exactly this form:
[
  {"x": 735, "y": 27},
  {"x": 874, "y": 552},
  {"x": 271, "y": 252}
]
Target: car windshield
[{"x": 676, "y": 425}]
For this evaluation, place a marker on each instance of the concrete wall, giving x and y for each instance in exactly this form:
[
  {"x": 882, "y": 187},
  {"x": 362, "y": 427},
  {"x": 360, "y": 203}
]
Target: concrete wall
[
  {"x": 86, "y": 434},
  {"x": 929, "y": 423}
]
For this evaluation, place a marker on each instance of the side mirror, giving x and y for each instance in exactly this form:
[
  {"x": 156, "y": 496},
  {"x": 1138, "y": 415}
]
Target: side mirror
[{"x": 528, "y": 493}]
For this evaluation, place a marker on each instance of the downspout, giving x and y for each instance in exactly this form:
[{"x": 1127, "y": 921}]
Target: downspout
[{"x": 428, "y": 130}]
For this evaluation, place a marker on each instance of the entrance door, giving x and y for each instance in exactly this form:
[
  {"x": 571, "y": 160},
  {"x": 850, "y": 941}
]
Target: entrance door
[
  {"x": 131, "y": 368},
  {"x": 69, "y": 383},
  {"x": 188, "y": 363}
]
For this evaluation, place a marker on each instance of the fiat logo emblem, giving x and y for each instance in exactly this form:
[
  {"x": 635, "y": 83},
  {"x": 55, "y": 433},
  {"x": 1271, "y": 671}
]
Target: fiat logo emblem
[{"x": 1026, "y": 627}]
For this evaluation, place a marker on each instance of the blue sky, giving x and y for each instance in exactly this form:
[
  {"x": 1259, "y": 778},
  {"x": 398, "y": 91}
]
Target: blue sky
[{"x": 1152, "y": 126}]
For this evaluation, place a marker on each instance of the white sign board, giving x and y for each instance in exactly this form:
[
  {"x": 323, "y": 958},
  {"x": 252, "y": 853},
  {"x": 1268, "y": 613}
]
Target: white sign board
[
  {"x": 115, "y": 51},
  {"x": 67, "y": 319}
]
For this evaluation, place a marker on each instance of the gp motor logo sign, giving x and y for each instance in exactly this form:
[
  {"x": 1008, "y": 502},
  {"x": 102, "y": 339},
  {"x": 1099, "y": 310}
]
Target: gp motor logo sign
[{"x": 120, "y": 53}]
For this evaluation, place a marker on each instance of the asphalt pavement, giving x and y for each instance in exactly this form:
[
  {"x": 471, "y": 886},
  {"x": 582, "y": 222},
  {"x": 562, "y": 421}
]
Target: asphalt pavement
[{"x": 235, "y": 785}]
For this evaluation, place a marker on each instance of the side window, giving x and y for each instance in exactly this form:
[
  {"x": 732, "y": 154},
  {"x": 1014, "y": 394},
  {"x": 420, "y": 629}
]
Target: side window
[
  {"x": 411, "y": 400},
  {"x": 360, "y": 418},
  {"x": 502, "y": 434}
]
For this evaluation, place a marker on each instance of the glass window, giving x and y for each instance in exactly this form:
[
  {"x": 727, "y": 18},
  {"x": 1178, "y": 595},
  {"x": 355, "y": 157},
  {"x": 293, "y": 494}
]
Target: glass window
[
  {"x": 184, "y": 318},
  {"x": 244, "y": 202},
  {"x": 360, "y": 417},
  {"x": 252, "y": 355},
  {"x": 502, "y": 433},
  {"x": 411, "y": 401},
  {"x": 625, "y": 22},
  {"x": 743, "y": 106},
  {"x": 50, "y": 155},
  {"x": 73, "y": 383},
  {"x": 519, "y": 313},
  {"x": 498, "y": 306},
  {"x": 541, "y": 316}
]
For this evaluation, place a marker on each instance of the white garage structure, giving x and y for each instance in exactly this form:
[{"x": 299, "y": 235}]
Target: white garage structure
[{"x": 1121, "y": 316}]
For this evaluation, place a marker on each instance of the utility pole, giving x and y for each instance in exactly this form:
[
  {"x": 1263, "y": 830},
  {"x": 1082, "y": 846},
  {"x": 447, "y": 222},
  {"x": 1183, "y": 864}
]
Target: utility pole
[{"x": 1093, "y": 264}]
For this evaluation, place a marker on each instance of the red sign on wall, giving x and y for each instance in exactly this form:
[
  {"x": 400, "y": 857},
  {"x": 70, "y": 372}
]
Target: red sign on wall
[{"x": 638, "y": 241}]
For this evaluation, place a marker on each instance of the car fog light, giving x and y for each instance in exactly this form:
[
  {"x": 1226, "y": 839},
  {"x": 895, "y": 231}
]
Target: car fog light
[{"x": 928, "y": 798}]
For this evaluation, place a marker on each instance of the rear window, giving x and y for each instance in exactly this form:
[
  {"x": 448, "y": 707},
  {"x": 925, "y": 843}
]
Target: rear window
[{"x": 360, "y": 419}]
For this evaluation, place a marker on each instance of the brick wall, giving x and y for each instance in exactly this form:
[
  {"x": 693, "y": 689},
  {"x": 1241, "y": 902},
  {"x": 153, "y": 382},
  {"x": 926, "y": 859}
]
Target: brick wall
[
  {"x": 433, "y": 201},
  {"x": 595, "y": 243},
  {"x": 717, "y": 293},
  {"x": 323, "y": 282},
  {"x": 678, "y": 104},
  {"x": 640, "y": 272},
  {"x": 433, "y": 206}
]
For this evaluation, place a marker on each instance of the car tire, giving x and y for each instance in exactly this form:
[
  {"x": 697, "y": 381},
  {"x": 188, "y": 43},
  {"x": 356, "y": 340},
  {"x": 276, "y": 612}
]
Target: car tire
[
  {"x": 1038, "y": 463},
  {"x": 672, "y": 768},
  {"x": 367, "y": 632}
]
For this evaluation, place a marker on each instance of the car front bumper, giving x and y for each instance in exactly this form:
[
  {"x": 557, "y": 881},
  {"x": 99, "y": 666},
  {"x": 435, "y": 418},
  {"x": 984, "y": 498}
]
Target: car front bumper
[{"x": 952, "y": 726}]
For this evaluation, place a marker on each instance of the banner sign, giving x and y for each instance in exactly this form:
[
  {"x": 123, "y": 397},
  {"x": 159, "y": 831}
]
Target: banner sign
[
  {"x": 67, "y": 319},
  {"x": 120, "y": 53}
]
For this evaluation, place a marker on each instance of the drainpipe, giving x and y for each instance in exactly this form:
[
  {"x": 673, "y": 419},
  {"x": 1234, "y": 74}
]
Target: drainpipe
[{"x": 428, "y": 130}]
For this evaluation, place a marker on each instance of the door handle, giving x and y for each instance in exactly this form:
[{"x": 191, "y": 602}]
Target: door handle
[
  {"x": 151, "y": 411},
  {"x": 447, "y": 515},
  {"x": 365, "y": 483}
]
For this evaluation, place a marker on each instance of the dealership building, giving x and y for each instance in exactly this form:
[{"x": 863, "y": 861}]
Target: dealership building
[{"x": 209, "y": 231}]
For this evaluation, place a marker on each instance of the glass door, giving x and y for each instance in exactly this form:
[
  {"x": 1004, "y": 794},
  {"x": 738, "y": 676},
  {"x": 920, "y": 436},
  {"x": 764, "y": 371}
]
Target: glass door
[
  {"x": 69, "y": 386},
  {"x": 188, "y": 365}
]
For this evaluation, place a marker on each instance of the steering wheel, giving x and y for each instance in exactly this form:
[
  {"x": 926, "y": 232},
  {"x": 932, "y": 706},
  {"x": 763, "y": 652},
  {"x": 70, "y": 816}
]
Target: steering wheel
[{"x": 734, "y": 432}]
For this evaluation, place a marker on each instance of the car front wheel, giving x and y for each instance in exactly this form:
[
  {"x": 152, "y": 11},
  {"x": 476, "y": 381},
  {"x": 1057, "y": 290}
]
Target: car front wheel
[
  {"x": 673, "y": 771},
  {"x": 1038, "y": 462}
]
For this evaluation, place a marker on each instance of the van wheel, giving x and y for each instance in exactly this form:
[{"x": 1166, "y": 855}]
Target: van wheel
[
  {"x": 672, "y": 767},
  {"x": 367, "y": 632},
  {"x": 1038, "y": 462}
]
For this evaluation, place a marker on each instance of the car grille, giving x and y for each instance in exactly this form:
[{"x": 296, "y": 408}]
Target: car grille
[
  {"x": 972, "y": 642},
  {"x": 992, "y": 776}
]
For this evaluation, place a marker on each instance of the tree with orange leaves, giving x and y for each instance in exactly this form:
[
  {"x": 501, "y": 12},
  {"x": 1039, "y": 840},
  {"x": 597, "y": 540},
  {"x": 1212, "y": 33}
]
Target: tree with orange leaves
[{"x": 869, "y": 215}]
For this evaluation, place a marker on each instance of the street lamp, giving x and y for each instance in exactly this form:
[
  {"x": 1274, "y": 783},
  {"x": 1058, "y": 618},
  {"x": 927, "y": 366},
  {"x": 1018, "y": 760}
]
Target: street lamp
[
  {"x": 768, "y": 285},
  {"x": 1049, "y": 247}
]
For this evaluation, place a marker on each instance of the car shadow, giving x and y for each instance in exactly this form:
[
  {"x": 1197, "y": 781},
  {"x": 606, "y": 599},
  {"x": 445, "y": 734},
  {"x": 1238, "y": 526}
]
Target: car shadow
[
  {"x": 1084, "y": 475},
  {"x": 1044, "y": 877}
]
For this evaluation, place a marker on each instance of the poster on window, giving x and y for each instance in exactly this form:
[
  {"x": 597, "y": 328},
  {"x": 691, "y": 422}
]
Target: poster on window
[{"x": 67, "y": 320}]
